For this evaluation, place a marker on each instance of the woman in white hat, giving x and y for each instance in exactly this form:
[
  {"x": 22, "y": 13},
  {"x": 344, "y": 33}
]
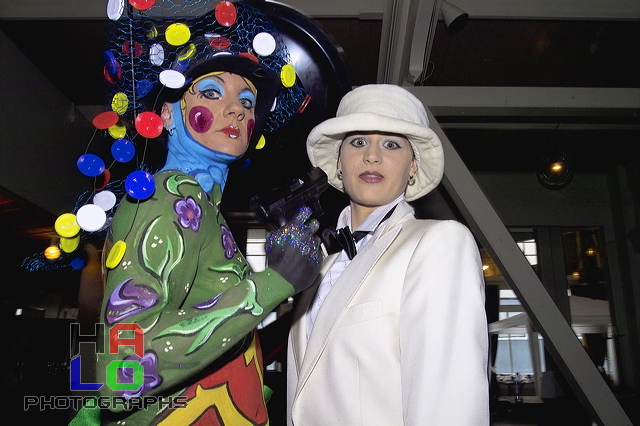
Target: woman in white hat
[{"x": 397, "y": 334}]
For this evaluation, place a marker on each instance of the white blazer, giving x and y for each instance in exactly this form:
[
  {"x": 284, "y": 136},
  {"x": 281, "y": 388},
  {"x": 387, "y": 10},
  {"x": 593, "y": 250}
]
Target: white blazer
[{"x": 401, "y": 338}]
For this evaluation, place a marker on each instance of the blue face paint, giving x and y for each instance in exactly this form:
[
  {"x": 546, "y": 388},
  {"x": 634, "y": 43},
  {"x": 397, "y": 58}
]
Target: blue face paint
[
  {"x": 247, "y": 98},
  {"x": 186, "y": 154},
  {"x": 210, "y": 88}
]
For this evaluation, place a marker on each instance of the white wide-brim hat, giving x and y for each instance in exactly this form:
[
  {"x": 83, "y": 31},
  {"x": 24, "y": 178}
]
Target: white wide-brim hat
[{"x": 382, "y": 108}]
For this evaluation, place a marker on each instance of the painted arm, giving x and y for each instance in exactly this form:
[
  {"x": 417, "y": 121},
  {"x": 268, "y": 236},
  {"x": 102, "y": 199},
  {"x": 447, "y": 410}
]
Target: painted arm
[{"x": 183, "y": 280}]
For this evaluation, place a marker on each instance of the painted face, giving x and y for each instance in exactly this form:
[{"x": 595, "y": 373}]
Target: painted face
[
  {"x": 219, "y": 112},
  {"x": 375, "y": 167}
]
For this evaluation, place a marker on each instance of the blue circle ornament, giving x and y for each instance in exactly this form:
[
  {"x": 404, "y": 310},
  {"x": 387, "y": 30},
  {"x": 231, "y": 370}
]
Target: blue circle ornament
[
  {"x": 78, "y": 263},
  {"x": 123, "y": 150},
  {"x": 140, "y": 185},
  {"x": 144, "y": 87},
  {"x": 90, "y": 165}
]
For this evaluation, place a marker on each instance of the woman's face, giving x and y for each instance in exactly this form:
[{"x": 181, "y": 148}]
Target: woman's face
[
  {"x": 375, "y": 167},
  {"x": 219, "y": 112}
]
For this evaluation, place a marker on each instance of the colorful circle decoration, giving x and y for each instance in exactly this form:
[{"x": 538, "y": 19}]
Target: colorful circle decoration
[
  {"x": 66, "y": 225},
  {"x": 140, "y": 185},
  {"x": 142, "y": 4},
  {"x": 177, "y": 34},
  {"x": 105, "y": 199},
  {"x": 156, "y": 54},
  {"x": 106, "y": 178},
  {"x": 187, "y": 52},
  {"x": 123, "y": 150},
  {"x": 78, "y": 263},
  {"x": 105, "y": 119},
  {"x": 254, "y": 58},
  {"x": 226, "y": 13},
  {"x": 288, "y": 75},
  {"x": 115, "y": 9},
  {"x": 264, "y": 44},
  {"x": 217, "y": 42},
  {"x": 110, "y": 62},
  {"x": 151, "y": 31},
  {"x": 171, "y": 79},
  {"x": 90, "y": 165},
  {"x": 120, "y": 103},
  {"x": 117, "y": 131},
  {"x": 91, "y": 217},
  {"x": 116, "y": 254},
  {"x": 69, "y": 245},
  {"x": 148, "y": 124},
  {"x": 304, "y": 104},
  {"x": 113, "y": 79},
  {"x": 144, "y": 87},
  {"x": 137, "y": 48}
]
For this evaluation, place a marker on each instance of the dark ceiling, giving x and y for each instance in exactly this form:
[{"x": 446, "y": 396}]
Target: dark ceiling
[{"x": 499, "y": 53}]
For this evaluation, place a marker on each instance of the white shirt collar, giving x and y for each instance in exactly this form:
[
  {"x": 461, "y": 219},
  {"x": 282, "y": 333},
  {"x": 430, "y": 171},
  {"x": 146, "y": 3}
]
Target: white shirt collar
[{"x": 372, "y": 222}]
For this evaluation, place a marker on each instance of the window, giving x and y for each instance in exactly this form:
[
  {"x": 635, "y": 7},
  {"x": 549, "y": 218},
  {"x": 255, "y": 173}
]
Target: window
[
  {"x": 513, "y": 353},
  {"x": 515, "y": 344},
  {"x": 576, "y": 268}
]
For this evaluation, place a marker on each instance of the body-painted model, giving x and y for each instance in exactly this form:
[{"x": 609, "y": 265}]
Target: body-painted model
[{"x": 174, "y": 271}]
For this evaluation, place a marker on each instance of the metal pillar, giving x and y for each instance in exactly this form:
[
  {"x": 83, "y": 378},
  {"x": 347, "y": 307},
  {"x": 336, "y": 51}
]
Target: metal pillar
[{"x": 561, "y": 342}]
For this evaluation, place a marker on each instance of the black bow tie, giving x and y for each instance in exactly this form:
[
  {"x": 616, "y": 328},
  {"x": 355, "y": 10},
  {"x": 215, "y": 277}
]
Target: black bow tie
[{"x": 336, "y": 240}]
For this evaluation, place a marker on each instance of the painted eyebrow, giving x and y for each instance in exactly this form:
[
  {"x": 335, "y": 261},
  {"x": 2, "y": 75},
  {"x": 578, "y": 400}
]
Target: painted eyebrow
[
  {"x": 247, "y": 88},
  {"x": 208, "y": 82}
]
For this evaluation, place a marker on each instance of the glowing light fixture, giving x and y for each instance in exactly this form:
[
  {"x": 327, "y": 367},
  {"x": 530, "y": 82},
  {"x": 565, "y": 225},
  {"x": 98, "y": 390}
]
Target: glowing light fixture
[
  {"x": 52, "y": 252},
  {"x": 554, "y": 171}
]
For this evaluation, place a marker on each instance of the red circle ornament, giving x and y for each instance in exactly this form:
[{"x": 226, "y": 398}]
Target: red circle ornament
[
  {"x": 142, "y": 4},
  {"x": 105, "y": 119},
  {"x": 225, "y": 13},
  {"x": 251, "y": 56},
  {"x": 148, "y": 124}
]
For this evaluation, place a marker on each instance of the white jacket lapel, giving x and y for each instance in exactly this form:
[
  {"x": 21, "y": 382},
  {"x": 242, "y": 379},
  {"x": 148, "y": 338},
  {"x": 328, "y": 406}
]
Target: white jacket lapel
[
  {"x": 340, "y": 295},
  {"x": 345, "y": 287}
]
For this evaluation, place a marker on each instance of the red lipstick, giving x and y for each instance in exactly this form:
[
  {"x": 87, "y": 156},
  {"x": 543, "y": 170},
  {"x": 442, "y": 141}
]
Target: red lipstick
[
  {"x": 231, "y": 131},
  {"x": 371, "y": 177}
]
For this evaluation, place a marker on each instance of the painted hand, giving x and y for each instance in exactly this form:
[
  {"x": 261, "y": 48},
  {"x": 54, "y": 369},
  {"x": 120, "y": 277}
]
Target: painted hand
[{"x": 294, "y": 251}]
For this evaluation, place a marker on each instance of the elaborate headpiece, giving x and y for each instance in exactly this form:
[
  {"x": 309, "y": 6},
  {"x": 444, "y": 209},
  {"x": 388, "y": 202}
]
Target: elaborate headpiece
[
  {"x": 153, "y": 51},
  {"x": 162, "y": 45}
]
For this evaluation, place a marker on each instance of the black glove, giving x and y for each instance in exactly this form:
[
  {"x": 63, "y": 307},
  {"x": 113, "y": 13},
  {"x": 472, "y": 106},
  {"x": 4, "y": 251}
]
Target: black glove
[{"x": 294, "y": 252}]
